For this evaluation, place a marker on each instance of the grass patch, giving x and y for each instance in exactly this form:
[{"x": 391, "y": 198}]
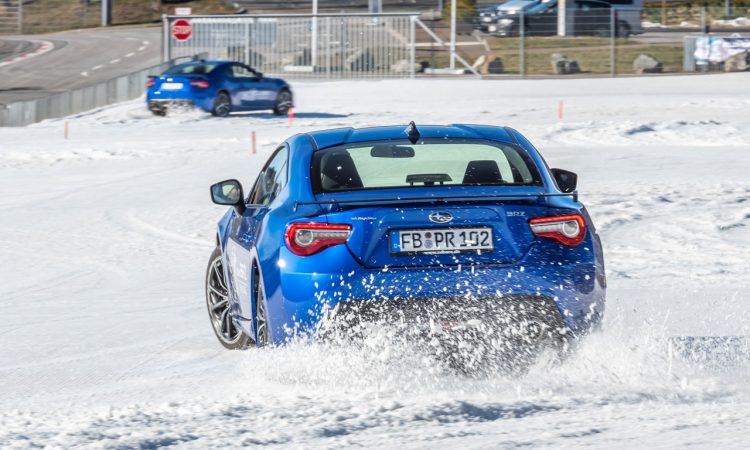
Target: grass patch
[
  {"x": 513, "y": 43},
  {"x": 594, "y": 60}
]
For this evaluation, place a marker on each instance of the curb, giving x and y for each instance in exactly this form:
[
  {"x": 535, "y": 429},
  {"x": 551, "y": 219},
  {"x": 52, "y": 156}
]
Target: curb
[{"x": 44, "y": 47}]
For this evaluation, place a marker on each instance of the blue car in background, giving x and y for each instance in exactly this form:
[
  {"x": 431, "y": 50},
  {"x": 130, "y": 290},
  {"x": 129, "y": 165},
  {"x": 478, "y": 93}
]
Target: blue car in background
[
  {"x": 451, "y": 229},
  {"x": 218, "y": 87}
]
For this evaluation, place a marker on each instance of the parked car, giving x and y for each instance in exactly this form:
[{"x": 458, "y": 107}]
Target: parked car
[
  {"x": 445, "y": 228},
  {"x": 489, "y": 15},
  {"x": 218, "y": 87},
  {"x": 590, "y": 17}
]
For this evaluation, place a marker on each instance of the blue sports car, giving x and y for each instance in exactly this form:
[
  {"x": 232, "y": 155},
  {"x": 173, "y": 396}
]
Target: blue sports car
[
  {"x": 449, "y": 228},
  {"x": 218, "y": 87}
]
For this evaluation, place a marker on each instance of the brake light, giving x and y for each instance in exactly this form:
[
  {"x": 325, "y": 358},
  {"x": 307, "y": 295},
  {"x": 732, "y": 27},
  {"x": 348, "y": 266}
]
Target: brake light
[
  {"x": 306, "y": 239},
  {"x": 202, "y": 84},
  {"x": 150, "y": 83},
  {"x": 568, "y": 230}
]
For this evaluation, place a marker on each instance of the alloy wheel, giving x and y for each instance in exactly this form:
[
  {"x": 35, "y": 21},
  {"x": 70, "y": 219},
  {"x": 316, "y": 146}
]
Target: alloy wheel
[{"x": 217, "y": 299}]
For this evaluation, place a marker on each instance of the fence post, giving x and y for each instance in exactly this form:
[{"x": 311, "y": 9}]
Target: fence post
[
  {"x": 328, "y": 47},
  {"x": 704, "y": 30},
  {"x": 522, "y": 46},
  {"x": 412, "y": 45},
  {"x": 166, "y": 51},
  {"x": 453, "y": 35},
  {"x": 20, "y": 16},
  {"x": 246, "y": 55},
  {"x": 613, "y": 36}
]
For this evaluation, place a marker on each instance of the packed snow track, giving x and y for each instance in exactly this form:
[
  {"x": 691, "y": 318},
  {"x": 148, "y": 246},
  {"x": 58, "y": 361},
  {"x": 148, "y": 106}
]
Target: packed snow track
[{"x": 104, "y": 239}]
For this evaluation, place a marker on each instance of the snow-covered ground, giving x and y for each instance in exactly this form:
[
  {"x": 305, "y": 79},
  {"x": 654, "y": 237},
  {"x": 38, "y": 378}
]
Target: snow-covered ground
[{"x": 104, "y": 237}]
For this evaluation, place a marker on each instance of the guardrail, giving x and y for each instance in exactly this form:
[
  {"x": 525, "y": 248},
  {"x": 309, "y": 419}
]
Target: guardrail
[{"x": 75, "y": 101}]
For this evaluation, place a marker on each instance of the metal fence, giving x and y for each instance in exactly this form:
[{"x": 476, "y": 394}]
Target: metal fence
[
  {"x": 607, "y": 40},
  {"x": 11, "y": 16},
  {"x": 75, "y": 101},
  {"x": 301, "y": 46}
]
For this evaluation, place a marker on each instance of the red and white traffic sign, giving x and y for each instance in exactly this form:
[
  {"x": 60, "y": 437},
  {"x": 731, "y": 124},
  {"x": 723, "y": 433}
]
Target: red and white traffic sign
[{"x": 182, "y": 29}]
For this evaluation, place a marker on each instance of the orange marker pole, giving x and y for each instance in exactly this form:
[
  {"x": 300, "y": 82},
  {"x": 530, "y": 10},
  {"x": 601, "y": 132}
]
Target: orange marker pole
[
  {"x": 560, "y": 111},
  {"x": 65, "y": 129},
  {"x": 290, "y": 114},
  {"x": 252, "y": 139}
]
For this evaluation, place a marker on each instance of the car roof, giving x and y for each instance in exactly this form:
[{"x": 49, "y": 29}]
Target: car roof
[{"x": 340, "y": 136}]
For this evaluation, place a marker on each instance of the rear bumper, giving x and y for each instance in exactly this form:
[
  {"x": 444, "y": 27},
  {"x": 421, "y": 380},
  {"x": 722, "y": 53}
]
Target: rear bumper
[
  {"x": 523, "y": 314},
  {"x": 307, "y": 293},
  {"x": 161, "y": 106},
  {"x": 202, "y": 100}
]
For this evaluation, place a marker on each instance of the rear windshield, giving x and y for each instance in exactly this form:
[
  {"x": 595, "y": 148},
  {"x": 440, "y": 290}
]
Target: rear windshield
[
  {"x": 396, "y": 164},
  {"x": 191, "y": 69}
]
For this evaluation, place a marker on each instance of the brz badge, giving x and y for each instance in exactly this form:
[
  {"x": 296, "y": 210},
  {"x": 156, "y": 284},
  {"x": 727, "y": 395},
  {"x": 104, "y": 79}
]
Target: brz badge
[{"x": 441, "y": 217}]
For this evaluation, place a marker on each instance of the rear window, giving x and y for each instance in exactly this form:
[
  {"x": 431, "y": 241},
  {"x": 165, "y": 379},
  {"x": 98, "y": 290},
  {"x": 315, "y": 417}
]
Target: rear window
[
  {"x": 397, "y": 164},
  {"x": 191, "y": 69}
]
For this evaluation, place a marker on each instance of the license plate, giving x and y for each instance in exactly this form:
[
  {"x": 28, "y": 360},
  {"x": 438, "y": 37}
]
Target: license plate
[
  {"x": 171, "y": 86},
  {"x": 442, "y": 240}
]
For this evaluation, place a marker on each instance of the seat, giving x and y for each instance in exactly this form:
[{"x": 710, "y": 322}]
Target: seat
[
  {"x": 339, "y": 172},
  {"x": 482, "y": 172}
]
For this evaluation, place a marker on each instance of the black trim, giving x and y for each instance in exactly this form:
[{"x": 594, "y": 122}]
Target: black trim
[{"x": 439, "y": 199}]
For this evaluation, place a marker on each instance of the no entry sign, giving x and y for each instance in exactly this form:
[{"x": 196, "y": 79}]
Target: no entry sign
[{"x": 182, "y": 29}]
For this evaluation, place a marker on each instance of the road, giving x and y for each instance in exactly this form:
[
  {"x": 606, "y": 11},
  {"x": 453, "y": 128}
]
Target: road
[{"x": 76, "y": 59}]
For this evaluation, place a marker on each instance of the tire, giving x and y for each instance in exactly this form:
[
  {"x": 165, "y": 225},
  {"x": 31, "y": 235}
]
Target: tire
[
  {"x": 283, "y": 102},
  {"x": 262, "y": 337},
  {"x": 159, "y": 113},
  {"x": 222, "y": 105},
  {"x": 602, "y": 32},
  {"x": 217, "y": 302},
  {"x": 623, "y": 30}
]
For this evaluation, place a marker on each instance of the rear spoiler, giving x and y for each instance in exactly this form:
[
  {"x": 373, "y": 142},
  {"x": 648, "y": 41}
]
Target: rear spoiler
[{"x": 438, "y": 199}]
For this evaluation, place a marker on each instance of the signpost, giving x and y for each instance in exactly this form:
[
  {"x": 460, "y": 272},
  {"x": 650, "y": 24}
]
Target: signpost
[{"x": 182, "y": 30}]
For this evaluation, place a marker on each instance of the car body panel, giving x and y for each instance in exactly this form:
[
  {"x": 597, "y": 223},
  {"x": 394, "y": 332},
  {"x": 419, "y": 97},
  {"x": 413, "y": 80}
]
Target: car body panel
[{"x": 300, "y": 289}]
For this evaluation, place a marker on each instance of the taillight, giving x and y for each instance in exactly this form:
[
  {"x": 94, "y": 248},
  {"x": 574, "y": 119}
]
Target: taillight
[
  {"x": 568, "y": 230},
  {"x": 306, "y": 239},
  {"x": 202, "y": 84},
  {"x": 150, "y": 83}
]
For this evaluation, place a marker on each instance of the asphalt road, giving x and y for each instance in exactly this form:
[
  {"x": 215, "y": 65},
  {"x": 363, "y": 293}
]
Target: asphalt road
[
  {"x": 79, "y": 58},
  {"x": 11, "y": 49}
]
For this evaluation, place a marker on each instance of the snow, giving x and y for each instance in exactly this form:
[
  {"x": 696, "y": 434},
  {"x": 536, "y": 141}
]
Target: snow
[
  {"x": 105, "y": 236},
  {"x": 736, "y": 22}
]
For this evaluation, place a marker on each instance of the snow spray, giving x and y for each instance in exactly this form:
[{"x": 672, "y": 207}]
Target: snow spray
[{"x": 252, "y": 140}]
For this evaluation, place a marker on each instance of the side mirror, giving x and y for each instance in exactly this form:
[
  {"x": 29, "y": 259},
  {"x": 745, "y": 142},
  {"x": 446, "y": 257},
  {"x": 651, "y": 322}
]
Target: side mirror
[
  {"x": 228, "y": 192},
  {"x": 566, "y": 181}
]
